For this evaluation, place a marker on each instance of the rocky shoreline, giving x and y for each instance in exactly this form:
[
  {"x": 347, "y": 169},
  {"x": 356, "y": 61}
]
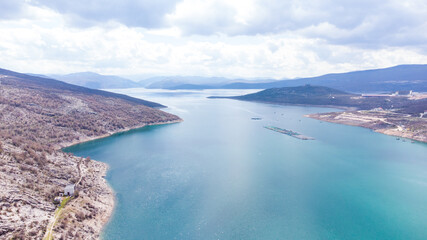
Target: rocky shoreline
[
  {"x": 38, "y": 117},
  {"x": 86, "y": 215},
  {"x": 26, "y": 209},
  {"x": 94, "y": 184}
]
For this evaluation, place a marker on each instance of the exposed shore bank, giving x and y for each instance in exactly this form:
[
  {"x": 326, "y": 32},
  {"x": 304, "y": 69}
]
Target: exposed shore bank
[{"x": 385, "y": 122}]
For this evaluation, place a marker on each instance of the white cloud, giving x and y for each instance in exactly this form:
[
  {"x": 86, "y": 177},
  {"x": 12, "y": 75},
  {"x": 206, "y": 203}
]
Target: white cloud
[
  {"x": 87, "y": 13},
  {"x": 277, "y": 39},
  {"x": 362, "y": 23}
]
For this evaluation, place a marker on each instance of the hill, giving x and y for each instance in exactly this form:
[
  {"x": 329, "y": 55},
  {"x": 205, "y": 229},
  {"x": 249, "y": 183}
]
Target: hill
[
  {"x": 96, "y": 81},
  {"x": 321, "y": 96},
  {"x": 316, "y": 95},
  {"x": 59, "y": 86},
  {"x": 402, "y": 77},
  {"x": 398, "y": 78},
  {"x": 38, "y": 117}
]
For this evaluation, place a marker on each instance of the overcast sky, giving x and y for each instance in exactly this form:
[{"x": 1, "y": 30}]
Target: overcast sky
[{"x": 230, "y": 38}]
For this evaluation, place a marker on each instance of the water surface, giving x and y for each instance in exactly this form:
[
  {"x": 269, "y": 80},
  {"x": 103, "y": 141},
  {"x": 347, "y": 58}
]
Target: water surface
[{"x": 221, "y": 175}]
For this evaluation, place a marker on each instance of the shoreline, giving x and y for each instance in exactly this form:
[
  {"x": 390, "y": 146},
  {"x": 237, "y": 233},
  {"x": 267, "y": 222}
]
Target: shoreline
[
  {"x": 296, "y": 104},
  {"x": 109, "y": 202},
  {"x": 63, "y": 145},
  {"x": 329, "y": 117},
  {"x": 111, "y": 209},
  {"x": 333, "y": 117},
  {"x": 39, "y": 119}
]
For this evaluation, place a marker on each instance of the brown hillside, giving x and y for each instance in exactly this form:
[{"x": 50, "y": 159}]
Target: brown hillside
[{"x": 36, "y": 120}]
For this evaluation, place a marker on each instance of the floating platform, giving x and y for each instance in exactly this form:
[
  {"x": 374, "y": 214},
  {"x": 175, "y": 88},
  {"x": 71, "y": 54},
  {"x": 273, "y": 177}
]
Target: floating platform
[{"x": 289, "y": 133}]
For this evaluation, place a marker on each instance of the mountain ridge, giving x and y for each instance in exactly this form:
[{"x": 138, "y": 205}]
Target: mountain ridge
[
  {"x": 396, "y": 78},
  {"x": 400, "y": 77},
  {"x": 96, "y": 80},
  {"x": 60, "y": 85}
]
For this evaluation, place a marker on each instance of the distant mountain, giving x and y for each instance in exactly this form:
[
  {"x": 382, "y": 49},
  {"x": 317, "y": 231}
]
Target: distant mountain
[
  {"x": 37, "y": 75},
  {"x": 95, "y": 80},
  {"x": 40, "y": 116},
  {"x": 55, "y": 86},
  {"x": 194, "y": 82},
  {"x": 181, "y": 82},
  {"x": 402, "y": 77},
  {"x": 398, "y": 78}
]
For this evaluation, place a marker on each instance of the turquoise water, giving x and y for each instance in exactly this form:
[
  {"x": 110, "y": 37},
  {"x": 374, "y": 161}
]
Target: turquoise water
[{"x": 221, "y": 175}]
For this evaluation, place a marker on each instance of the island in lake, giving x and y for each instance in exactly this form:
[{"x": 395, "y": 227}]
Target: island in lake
[
  {"x": 289, "y": 133},
  {"x": 402, "y": 114},
  {"x": 39, "y": 117}
]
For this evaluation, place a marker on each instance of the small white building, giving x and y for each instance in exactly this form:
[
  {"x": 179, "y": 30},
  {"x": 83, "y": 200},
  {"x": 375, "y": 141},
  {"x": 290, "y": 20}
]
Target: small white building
[
  {"x": 69, "y": 190},
  {"x": 57, "y": 199}
]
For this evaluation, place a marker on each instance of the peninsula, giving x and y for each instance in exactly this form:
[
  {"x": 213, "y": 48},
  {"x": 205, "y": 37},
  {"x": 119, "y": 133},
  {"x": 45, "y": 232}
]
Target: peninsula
[
  {"x": 402, "y": 114},
  {"x": 38, "y": 117}
]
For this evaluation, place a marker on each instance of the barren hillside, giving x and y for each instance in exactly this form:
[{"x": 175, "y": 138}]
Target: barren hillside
[{"x": 39, "y": 116}]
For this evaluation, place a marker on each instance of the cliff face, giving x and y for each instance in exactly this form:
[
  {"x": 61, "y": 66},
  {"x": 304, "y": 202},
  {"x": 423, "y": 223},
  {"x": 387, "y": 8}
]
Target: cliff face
[{"x": 37, "y": 118}]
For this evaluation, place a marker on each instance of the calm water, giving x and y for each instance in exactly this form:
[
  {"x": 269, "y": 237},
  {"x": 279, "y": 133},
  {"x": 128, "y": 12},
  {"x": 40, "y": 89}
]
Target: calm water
[{"x": 221, "y": 175}]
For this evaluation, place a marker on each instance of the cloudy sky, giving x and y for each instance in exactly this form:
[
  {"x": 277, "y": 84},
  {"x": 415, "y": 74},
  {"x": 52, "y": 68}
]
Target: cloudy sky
[{"x": 230, "y": 38}]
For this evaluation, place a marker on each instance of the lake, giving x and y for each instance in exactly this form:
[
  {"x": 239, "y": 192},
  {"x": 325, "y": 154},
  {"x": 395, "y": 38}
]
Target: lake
[{"x": 221, "y": 175}]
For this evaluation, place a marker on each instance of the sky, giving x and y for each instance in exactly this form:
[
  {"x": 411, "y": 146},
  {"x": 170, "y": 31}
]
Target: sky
[{"x": 225, "y": 38}]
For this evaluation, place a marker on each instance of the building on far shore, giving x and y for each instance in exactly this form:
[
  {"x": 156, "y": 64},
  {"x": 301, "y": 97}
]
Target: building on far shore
[{"x": 69, "y": 190}]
